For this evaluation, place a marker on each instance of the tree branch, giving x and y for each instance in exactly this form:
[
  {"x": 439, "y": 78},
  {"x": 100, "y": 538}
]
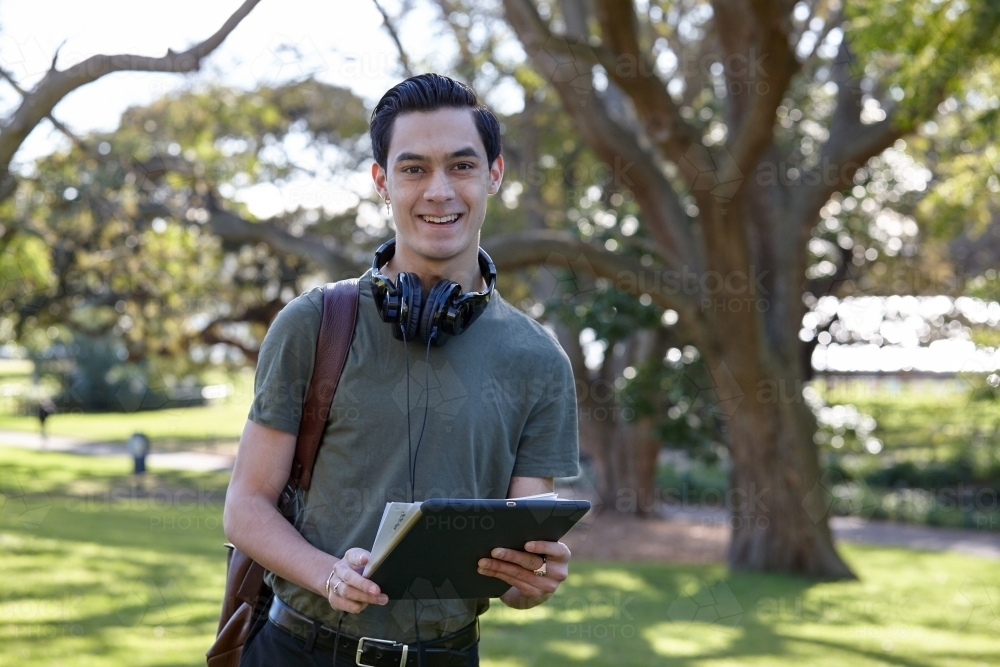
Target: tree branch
[
  {"x": 850, "y": 144},
  {"x": 746, "y": 31},
  {"x": 67, "y": 132},
  {"x": 332, "y": 259},
  {"x": 55, "y": 85},
  {"x": 391, "y": 29},
  {"x": 834, "y": 20},
  {"x": 6, "y": 75},
  {"x": 630, "y": 67},
  {"x": 631, "y": 166},
  {"x": 211, "y": 335},
  {"x": 627, "y": 275},
  {"x": 235, "y": 229}
]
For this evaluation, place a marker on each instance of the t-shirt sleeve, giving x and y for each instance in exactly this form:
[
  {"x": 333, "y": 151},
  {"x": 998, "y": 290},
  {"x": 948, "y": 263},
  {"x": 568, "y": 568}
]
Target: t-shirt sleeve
[
  {"x": 285, "y": 364},
  {"x": 549, "y": 446}
]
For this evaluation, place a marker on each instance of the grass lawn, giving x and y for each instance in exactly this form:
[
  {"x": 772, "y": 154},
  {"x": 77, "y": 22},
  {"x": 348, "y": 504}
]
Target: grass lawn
[
  {"x": 930, "y": 421},
  {"x": 170, "y": 429},
  {"x": 94, "y": 573},
  {"x": 180, "y": 428}
]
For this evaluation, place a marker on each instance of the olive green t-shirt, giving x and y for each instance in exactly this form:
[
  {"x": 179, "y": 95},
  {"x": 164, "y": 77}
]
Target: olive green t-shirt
[{"x": 500, "y": 402}]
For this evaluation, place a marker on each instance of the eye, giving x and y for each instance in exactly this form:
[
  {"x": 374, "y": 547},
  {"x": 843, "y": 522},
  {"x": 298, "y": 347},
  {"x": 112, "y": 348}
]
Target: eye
[
  {"x": 411, "y": 170},
  {"x": 464, "y": 166}
]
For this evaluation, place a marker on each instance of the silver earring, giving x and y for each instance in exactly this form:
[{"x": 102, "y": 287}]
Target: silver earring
[{"x": 387, "y": 205}]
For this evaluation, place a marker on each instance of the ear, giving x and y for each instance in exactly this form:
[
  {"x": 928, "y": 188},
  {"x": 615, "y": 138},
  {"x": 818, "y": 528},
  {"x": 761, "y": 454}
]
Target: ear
[
  {"x": 496, "y": 175},
  {"x": 378, "y": 176}
]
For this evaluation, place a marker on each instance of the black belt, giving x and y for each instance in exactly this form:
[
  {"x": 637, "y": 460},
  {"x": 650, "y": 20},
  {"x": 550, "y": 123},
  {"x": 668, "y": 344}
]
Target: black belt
[{"x": 448, "y": 651}]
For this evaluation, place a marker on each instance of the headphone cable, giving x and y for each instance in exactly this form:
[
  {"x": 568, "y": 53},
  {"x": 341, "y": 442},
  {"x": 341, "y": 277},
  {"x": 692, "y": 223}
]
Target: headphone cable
[
  {"x": 409, "y": 451},
  {"x": 336, "y": 641},
  {"x": 427, "y": 403}
]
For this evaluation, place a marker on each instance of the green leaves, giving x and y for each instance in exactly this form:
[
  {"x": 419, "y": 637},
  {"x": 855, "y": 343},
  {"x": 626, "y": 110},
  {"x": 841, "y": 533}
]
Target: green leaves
[{"x": 115, "y": 238}]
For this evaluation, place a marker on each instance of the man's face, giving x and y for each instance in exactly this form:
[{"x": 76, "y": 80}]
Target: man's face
[{"x": 437, "y": 180}]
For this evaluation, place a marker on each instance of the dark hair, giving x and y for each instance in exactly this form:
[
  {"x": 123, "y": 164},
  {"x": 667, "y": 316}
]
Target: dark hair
[{"x": 428, "y": 92}]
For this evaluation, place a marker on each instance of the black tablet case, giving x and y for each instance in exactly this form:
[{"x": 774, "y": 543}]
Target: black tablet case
[{"x": 438, "y": 558}]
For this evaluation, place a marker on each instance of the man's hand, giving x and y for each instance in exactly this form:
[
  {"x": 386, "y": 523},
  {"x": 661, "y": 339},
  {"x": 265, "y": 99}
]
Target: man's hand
[
  {"x": 349, "y": 591},
  {"x": 517, "y": 568}
]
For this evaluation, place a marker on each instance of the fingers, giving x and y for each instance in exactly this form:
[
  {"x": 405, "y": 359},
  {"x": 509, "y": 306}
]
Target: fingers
[
  {"x": 556, "y": 554},
  {"x": 554, "y": 551},
  {"x": 356, "y": 558},
  {"x": 349, "y": 590},
  {"x": 555, "y": 572},
  {"x": 517, "y": 568},
  {"x": 524, "y": 560},
  {"x": 338, "y": 599},
  {"x": 517, "y": 577}
]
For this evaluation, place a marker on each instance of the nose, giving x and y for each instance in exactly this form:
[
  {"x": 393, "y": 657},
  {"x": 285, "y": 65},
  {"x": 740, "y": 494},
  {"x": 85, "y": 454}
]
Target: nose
[{"x": 439, "y": 188}]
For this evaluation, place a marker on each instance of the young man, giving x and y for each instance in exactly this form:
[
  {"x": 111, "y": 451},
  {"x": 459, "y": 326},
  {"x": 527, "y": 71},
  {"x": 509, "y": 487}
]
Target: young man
[{"x": 497, "y": 405}]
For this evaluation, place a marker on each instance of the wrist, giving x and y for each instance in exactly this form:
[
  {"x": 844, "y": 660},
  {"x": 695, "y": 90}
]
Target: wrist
[{"x": 324, "y": 577}]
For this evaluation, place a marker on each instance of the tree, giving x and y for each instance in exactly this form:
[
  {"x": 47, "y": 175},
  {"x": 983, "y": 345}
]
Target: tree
[
  {"x": 37, "y": 104},
  {"x": 138, "y": 234},
  {"x": 709, "y": 198},
  {"x": 738, "y": 122}
]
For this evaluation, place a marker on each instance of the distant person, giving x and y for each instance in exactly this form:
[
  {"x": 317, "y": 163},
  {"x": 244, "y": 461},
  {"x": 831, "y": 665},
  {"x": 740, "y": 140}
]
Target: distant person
[{"x": 46, "y": 408}]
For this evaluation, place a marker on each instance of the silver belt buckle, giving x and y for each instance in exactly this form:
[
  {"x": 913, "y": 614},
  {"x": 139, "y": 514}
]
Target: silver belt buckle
[{"x": 361, "y": 646}]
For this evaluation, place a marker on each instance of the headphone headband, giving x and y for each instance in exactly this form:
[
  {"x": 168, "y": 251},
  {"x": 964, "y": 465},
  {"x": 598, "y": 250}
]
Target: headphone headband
[{"x": 447, "y": 312}]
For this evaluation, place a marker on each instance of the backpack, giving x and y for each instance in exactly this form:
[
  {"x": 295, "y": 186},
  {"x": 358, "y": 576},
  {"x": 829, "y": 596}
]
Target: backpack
[{"x": 247, "y": 597}]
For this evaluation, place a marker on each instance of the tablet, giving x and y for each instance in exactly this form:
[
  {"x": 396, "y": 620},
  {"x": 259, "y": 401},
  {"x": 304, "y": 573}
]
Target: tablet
[{"x": 438, "y": 557}]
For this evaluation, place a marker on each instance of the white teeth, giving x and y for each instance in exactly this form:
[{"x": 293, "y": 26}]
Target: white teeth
[{"x": 448, "y": 218}]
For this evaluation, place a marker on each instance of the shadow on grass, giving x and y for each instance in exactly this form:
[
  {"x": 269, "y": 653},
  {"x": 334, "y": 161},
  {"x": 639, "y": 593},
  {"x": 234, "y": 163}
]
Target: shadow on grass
[
  {"x": 111, "y": 582},
  {"x": 687, "y": 615},
  {"x": 106, "y": 576}
]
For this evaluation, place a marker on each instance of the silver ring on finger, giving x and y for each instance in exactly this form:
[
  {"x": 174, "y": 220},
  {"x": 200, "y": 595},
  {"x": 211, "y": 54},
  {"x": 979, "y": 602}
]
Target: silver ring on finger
[
  {"x": 541, "y": 572},
  {"x": 336, "y": 588}
]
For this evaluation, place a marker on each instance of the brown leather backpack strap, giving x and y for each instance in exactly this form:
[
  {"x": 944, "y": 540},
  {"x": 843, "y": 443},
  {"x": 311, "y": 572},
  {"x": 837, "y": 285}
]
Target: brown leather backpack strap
[{"x": 336, "y": 331}]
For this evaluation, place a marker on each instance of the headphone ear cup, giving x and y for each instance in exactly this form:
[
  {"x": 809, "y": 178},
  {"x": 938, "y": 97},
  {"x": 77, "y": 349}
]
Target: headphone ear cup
[
  {"x": 413, "y": 300},
  {"x": 434, "y": 308}
]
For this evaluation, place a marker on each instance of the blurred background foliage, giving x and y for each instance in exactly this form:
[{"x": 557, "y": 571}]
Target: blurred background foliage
[{"x": 131, "y": 266}]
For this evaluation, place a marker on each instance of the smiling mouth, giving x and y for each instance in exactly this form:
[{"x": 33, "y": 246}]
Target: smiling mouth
[{"x": 443, "y": 220}]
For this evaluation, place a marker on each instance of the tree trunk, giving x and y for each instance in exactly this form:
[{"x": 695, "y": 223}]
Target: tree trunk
[
  {"x": 779, "y": 509},
  {"x": 623, "y": 452},
  {"x": 636, "y": 450}
]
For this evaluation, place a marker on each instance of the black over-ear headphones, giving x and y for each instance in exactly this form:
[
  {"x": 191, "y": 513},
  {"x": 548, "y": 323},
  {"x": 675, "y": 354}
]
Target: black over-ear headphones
[{"x": 446, "y": 311}]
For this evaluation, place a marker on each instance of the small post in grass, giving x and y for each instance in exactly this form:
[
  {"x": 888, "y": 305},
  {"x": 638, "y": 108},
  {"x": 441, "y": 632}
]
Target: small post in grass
[{"x": 138, "y": 447}]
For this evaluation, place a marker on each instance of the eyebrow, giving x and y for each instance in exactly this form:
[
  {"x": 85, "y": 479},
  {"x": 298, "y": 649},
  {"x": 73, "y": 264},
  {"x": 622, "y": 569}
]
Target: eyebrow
[{"x": 468, "y": 151}]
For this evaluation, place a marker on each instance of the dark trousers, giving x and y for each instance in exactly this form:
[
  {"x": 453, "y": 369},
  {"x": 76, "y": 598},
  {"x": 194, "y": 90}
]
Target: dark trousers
[{"x": 273, "y": 647}]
